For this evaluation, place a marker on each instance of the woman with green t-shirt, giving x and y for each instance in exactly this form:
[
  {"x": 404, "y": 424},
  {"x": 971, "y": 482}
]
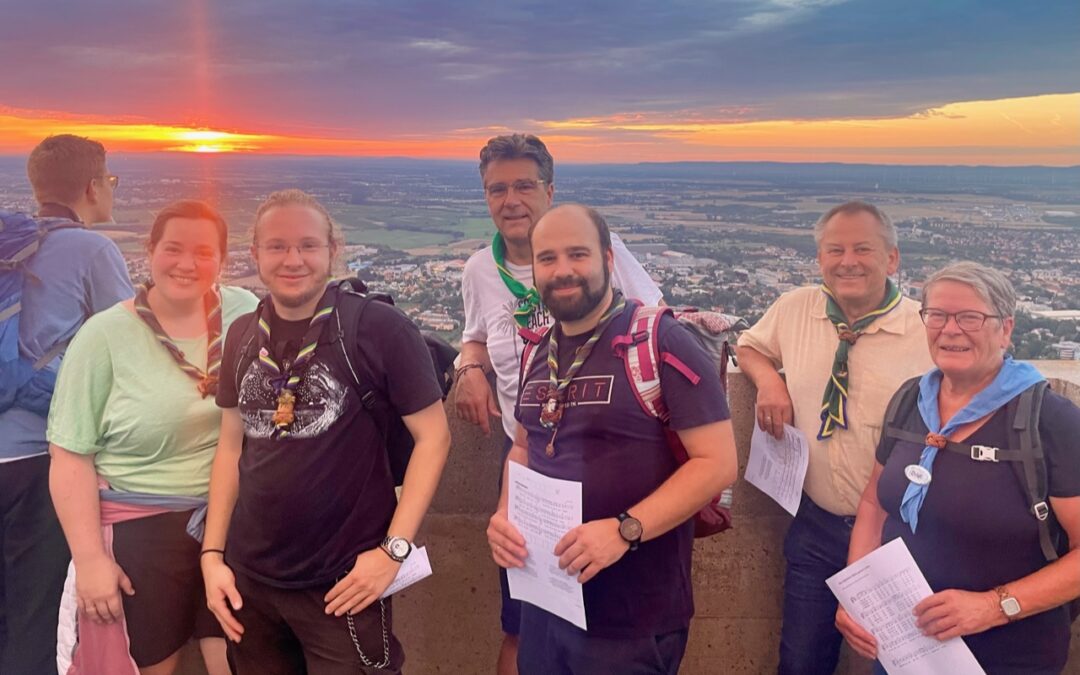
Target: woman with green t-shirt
[{"x": 133, "y": 428}]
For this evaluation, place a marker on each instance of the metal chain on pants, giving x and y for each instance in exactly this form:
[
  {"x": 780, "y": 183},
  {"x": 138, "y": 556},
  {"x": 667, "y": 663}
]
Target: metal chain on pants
[{"x": 385, "y": 638}]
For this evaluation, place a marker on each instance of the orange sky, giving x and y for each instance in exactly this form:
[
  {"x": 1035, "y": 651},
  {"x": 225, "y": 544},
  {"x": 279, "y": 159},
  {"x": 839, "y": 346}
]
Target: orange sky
[{"x": 1034, "y": 130}]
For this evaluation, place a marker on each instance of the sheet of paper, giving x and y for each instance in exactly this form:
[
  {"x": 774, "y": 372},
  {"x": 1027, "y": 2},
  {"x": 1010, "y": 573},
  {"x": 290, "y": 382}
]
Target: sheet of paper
[
  {"x": 416, "y": 567},
  {"x": 879, "y": 592},
  {"x": 544, "y": 509},
  {"x": 778, "y": 467}
]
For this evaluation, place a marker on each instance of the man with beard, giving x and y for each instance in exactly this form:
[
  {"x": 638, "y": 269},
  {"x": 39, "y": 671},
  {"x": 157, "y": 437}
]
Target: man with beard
[
  {"x": 518, "y": 176},
  {"x": 303, "y": 530},
  {"x": 633, "y": 550},
  {"x": 857, "y": 339}
]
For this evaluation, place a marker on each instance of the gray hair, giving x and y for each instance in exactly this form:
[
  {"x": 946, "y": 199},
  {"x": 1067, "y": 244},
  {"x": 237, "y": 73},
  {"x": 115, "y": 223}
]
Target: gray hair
[
  {"x": 519, "y": 146},
  {"x": 888, "y": 230},
  {"x": 990, "y": 285}
]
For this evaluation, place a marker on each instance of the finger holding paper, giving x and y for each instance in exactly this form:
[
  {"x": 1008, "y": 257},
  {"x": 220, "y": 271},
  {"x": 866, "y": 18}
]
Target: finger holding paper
[
  {"x": 507, "y": 545},
  {"x": 590, "y": 547},
  {"x": 858, "y": 637},
  {"x": 954, "y": 613}
]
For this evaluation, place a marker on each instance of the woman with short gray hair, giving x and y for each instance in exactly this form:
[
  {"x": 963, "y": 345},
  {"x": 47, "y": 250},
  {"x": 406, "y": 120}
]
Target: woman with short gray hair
[{"x": 993, "y": 521}]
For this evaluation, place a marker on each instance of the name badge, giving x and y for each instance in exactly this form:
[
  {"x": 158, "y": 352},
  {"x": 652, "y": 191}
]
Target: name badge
[{"x": 917, "y": 474}]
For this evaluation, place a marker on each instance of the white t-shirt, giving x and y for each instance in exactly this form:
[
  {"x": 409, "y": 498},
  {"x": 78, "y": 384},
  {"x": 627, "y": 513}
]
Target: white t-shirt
[{"x": 489, "y": 313}]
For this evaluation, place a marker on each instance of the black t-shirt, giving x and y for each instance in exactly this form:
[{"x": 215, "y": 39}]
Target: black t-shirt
[
  {"x": 309, "y": 503},
  {"x": 976, "y": 531},
  {"x": 620, "y": 454}
]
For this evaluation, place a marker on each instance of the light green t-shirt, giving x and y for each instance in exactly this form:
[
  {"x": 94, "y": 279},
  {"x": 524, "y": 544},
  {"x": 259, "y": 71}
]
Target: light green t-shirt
[{"x": 121, "y": 397}]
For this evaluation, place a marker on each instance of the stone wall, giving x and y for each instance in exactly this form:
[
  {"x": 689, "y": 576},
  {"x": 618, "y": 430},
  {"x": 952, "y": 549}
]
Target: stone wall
[{"x": 450, "y": 622}]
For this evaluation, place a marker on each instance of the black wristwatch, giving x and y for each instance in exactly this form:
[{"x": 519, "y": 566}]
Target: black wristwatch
[
  {"x": 630, "y": 530},
  {"x": 398, "y": 548}
]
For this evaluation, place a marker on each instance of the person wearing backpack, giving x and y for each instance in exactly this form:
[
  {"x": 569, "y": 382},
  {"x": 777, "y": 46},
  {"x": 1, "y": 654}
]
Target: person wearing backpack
[
  {"x": 978, "y": 472},
  {"x": 844, "y": 346},
  {"x": 303, "y": 530},
  {"x": 518, "y": 174},
  {"x": 57, "y": 274},
  {"x": 580, "y": 419}
]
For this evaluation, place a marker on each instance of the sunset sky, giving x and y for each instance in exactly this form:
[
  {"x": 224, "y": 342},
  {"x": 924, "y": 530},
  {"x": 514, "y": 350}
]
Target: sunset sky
[{"x": 915, "y": 82}]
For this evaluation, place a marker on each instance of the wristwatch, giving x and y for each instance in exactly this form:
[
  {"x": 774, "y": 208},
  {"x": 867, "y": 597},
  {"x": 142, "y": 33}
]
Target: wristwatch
[
  {"x": 398, "y": 548},
  {"x": 1010, "y": 606},
  {"x": 630, "y": 530}
]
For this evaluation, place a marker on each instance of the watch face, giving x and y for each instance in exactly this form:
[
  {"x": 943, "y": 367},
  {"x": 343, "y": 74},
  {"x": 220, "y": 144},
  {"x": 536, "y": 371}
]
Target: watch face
[
  {"x": 400, "y": 548},
  {"x": 1010, "y": 606},
  {"x": 630, "y": 529}
]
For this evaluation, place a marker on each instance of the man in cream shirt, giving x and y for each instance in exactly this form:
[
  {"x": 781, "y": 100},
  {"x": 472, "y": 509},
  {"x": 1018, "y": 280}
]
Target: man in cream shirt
[{"x": 844, "y": 347}]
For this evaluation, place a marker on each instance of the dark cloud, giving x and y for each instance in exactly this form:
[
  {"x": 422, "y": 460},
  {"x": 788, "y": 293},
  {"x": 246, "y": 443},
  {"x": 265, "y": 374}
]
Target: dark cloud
[{"x": 384, "y": 68}]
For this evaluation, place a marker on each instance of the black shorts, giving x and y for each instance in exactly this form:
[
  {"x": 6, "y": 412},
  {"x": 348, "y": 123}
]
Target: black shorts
[{"x": 169, "y": 605}]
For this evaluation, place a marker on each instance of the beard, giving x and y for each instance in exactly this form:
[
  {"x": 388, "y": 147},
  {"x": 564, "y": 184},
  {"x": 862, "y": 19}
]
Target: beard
[{"x": 574, "y": 308}]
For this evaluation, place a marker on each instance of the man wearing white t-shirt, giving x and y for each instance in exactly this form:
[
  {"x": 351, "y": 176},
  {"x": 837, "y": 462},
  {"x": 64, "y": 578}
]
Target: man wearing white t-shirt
[{"x": 497, "y": 287}]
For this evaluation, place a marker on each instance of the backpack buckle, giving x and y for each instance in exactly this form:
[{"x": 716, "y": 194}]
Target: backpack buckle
[
  {"x": 1041, "y": 510},
  {"x": 639, "y": 337},
  {"x": 984, "y": 453}
]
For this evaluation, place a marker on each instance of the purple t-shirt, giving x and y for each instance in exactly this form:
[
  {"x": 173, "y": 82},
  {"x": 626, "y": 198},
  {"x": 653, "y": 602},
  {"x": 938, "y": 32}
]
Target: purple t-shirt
[
  {"x": 976, "y": 531},
  {"x": 310, "y": 503},
  {"x": 620, "y": 454}
]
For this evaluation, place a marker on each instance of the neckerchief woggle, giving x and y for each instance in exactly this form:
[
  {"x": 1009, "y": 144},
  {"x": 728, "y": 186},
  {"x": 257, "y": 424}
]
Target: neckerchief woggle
[
  {"x": 528, "y": 297},
  {"x": 286, "y": 381},
  {"x": 552, "y": 410},
  {"x": 207, "y": 380},
  {"x": 1013, "y": 378},
  {"x": 834, "y": 401}
]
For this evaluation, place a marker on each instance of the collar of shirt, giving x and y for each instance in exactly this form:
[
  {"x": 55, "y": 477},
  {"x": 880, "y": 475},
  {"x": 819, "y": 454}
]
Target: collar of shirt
[{"x": 894, "y": 322}]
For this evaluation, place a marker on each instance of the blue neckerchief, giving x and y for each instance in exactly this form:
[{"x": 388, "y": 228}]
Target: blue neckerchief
[{"x": 1013, "y": 378}]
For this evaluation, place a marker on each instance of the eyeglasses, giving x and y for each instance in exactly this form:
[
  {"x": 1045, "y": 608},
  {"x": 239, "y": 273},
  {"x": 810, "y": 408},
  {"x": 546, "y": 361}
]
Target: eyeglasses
[
  {"x": 525, "y": 188},
  {"x": 968, "y": 320},
  {"x": 306, "y": 249},
  {"x": 113, "y": 181}
]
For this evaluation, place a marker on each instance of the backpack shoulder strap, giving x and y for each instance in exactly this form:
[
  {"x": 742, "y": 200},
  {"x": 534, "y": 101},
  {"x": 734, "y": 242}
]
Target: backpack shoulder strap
[
  {"x": 247, "y": 339},
  {"x": 902, "y": 404},
  {"x": 352, "y": 304},
  {"x": 1032, "y": 464},
  {"x": 639, "y": 349}
]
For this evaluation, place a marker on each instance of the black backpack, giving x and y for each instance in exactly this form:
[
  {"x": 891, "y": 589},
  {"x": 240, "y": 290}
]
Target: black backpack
[{"x": 354, "y": 298}]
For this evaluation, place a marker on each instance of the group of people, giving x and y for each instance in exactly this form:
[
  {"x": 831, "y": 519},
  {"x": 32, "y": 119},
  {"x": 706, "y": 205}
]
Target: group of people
[{"x": 212, "y": 468}]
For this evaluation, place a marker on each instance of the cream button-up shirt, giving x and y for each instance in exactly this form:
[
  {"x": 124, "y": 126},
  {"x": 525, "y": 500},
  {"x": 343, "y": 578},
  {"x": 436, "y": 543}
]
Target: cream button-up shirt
[{"x": 796, "y": 335}]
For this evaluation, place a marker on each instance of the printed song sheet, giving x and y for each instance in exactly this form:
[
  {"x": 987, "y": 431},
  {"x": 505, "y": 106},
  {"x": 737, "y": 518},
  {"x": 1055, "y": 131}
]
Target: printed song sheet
[
  {"x": 544, "y": 509},
  {"x": 778, "y": 467},
  {"x": 416, "y": 567},
  {"x": 879, "y": 592}
]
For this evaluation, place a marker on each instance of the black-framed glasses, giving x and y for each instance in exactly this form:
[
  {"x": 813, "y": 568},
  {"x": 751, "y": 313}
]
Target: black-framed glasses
[
  {"x": 525, "y": 187},
  {"x": 969, "y": 320}
]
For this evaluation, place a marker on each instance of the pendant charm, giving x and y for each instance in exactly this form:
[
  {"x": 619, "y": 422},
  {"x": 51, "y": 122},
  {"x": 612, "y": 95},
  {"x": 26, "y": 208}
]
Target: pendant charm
[
  {"x": 284, "y": 416},
  {"x": 551, "y": 413},
  {"x": 550, "y": 449}
]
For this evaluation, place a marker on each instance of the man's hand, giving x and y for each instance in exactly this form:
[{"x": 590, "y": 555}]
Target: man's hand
[
  {"x": 222, "y": 598},
  {"x": 774, "y": 409},
  {"x": 98, "y": 582},
  {"x": 590, "y": 547},
  {"x": 507, "y": 544},
  {"x": 370, "y": 576},
  {"x": 474, "y": 399},
  {"x": 858, "y": 637},
  {"x": 954, "y": 613}
]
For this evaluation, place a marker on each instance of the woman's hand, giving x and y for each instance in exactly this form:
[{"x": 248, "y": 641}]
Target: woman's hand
[
  {"x": 858, "y": 637},
  {"x": 98, "y": 582},
  {"x": 954, "y": 613}
]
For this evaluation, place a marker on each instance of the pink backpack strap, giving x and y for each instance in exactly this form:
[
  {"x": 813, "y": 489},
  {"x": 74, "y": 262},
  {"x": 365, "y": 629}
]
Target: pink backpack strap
[{"x": 640, "y": 351}]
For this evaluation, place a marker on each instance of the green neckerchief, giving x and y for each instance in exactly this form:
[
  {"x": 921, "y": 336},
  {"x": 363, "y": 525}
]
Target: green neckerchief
[
  {"x": 834, "y": 403},
  {"x": 528, "y": 297}
]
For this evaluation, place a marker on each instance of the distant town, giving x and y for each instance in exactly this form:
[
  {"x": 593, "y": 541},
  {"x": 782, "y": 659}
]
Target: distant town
[{"x": 727, "y": 236}]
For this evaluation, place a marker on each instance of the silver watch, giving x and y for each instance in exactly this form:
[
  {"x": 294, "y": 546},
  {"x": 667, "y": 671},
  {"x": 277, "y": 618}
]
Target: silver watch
[{"x": 398, "y": 548}]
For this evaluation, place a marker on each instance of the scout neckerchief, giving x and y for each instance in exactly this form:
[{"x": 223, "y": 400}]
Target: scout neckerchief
[
  {"x": 286, "y": 380},
  {"x": 208, "y": 380},
  {"x": 528, "y": 297},
  {"x": 834, "y": 403},
  {"x": 552, "y": 410},
  {"x": 1013, "y": 378}
]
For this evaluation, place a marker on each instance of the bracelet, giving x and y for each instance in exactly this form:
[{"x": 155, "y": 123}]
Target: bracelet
[
  {"x": 212, "y": 550},
  {"x": 462, "y": 369}
]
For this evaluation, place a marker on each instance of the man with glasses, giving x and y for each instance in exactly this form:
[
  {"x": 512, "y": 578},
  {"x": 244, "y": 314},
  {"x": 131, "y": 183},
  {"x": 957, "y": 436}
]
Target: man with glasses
[
  {"x": 844, "y": 347},
  {"x": 73, "y": 274},
  {"x": 518, "y": 174},
  {"x": 301, "y": 489}
]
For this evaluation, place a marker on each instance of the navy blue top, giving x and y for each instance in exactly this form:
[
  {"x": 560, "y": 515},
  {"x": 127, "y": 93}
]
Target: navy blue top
[
  {"x": 976, "y": 531},
  {"x": 620, "y": 454}
]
